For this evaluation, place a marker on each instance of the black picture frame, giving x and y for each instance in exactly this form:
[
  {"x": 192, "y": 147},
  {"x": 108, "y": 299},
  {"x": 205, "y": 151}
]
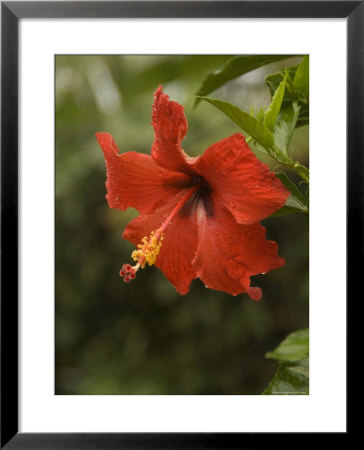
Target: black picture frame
[{"x": 11, "y": 12}]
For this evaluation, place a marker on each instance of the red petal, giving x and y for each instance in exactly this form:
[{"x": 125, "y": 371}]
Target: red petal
[
  {"x": 240, "y": 181},
  {"x": 179, "y": 244},
  {"x": 134, "y": 179},
  {"x": 170, "y": 127},
  {"x": 228, "y": 253}
]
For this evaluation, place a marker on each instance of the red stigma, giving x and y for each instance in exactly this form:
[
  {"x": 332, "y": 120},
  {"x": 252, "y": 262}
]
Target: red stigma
[{"x": 128, "y": 272}]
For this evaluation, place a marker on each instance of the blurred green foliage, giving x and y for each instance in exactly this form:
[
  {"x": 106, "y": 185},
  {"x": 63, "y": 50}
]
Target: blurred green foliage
[{"x": 143, "y": 337}]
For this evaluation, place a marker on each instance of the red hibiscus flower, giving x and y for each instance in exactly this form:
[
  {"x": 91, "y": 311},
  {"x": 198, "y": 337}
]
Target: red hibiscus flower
[{"x": 199, "y": 217}]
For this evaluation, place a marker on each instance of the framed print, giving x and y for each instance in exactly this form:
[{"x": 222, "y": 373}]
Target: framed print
[{"x": 191, "y": 329}]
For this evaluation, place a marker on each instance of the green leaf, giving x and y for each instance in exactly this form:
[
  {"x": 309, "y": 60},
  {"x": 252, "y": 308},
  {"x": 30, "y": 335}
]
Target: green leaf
[
  {"x": 273, "y": 80},
  {"x": 287, "y": 210},
  {"x": 292, "y": 202},
  {"x": 293, "y": 189},
  {"x": 271, "y": 113},
  {"x": 235, "y": 67},
  {"x": 301, "y": 79},
  {"x": 296, "y": 202},
  {"x": 285, "y": 126},
  {"x": 257, "y": 130},
  {"x": 294, "y": 347},
  {"x": 291, "y": 378},
  {"x": 292, "y": 93}
]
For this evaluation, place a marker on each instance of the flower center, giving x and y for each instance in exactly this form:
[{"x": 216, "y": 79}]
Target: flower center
[{"x": 150, "y": 246}]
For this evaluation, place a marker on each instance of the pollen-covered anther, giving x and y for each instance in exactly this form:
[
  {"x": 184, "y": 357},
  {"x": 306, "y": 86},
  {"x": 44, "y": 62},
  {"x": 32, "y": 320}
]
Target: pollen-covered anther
[
  {"x": 148, "y": 249},
  {"x": 147, "y": 253}
]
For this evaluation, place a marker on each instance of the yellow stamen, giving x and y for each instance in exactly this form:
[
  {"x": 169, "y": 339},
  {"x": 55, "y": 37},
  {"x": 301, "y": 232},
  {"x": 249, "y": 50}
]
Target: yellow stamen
[{"x": 149, "y": 249}]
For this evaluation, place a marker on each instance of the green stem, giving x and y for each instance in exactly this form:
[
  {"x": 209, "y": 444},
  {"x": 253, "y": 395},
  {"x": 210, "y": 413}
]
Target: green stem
[{"x": 302, "y": 171}]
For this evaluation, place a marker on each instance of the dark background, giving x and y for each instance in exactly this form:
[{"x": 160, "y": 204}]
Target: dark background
[{"x": 143, "y": 337}]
